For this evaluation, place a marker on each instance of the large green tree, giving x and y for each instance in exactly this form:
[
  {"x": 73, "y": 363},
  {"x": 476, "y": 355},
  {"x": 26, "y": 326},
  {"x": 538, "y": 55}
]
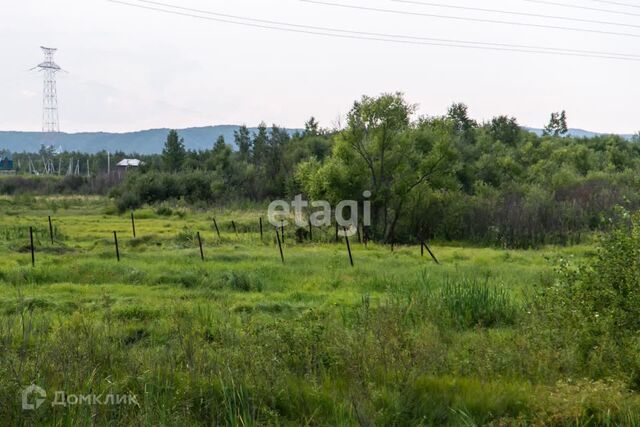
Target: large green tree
[
  {"x": 383, "y": 152},
  {"x": 464, "y": 126},
  {"x": 505, "y": 129},
  {"x": 312, "y": 127},
  {"x": 557, "y": 125},
  {"x": 260, "y": 144},
  {"x": 242, "y": 139},
  {"x": 221, "y": 155},
  {"x": 174, "y": 152}
]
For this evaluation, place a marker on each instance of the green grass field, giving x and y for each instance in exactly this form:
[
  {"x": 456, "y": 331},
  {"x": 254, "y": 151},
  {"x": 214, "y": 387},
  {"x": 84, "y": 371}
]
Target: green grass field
[{"x": 242, "y": 339}]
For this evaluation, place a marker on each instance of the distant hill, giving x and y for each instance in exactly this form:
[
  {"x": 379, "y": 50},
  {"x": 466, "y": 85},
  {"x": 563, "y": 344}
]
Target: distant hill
[
  {"x": 579, "y": 133},
  {"x": 151, "y": 141},
  {"x": 142, "y": 142}
]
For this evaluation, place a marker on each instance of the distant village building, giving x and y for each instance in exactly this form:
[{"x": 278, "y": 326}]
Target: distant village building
[
  {"x": 129, "y": 163},
  {"x": 6, "y": 164}
]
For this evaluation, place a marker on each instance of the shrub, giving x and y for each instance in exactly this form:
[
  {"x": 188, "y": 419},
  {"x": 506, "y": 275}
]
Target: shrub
[
  {"x": 196, "y": 186},
  {"x": 73, "y": 184},
  {"x": 604, "y": 291},
  {"x": 164, "y": 211},
  {"x": 157, "y": 187},
  {"x": 594, "y": 306},
  {"x": 128, "y": 200}
]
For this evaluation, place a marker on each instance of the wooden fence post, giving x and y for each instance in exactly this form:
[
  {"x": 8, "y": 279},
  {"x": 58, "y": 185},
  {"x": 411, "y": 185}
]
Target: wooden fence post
[
  {"x": 115, "y": 239},
  {"x": 280, "y": 245},
  {"x": 430, "y": 253},
  {"x": 33, "y": 249},
  {"x": 50, "y": 229},
  {"x": 133, "y": 224},
  {"x": 200, "y": 243},
  {"x": 217, "y": 229},
  {"x": 346, "y": 237},
  {"x": 261, "y": 236}
]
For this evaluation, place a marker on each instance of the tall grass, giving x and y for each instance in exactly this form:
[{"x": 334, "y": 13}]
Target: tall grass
[
  {"x": 243, "y": 340},
  {"x": 474, "y": 302}
]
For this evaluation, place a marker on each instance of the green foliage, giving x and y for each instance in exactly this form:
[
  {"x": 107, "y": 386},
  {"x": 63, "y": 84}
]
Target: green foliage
[
  {"x": 597, "y": 302},
  {"x": 156, "y": 187},
  {"x": 173, "y": 154},
  {"x": 557, "y": 125},
  {"x": 382, "y": 152},
  {"x": 464, "y": 126},
  {"x": 164, "y": 211},
  {"x": 260, "y": 144},
  {"x": 610, "y": 288},
  {"x": 15, "y": 185},
  {"x": 445, "y": 177},
  {"x": 312, "y": 127},
  {"x": 128, "y": 200},
  {"x": 505, "y": 130},
  {"x": 242, "y": 139}
]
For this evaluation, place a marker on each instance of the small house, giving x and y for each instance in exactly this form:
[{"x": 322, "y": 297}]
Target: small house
[
  {"x": 6, "y": 164},
  {"x": 129, "y": 163}
]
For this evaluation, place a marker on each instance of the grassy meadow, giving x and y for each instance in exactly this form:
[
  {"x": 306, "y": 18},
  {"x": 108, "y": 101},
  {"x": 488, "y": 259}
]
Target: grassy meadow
[{"x": 242, "y": 339}]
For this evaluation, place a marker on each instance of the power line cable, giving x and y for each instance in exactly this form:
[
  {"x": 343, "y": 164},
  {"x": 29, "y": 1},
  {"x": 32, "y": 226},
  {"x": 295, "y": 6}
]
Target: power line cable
[
  {"x": 208, "y": 12},
  {"x": 574, "y": 6},
  {"x": 617, "y": 3},
  {"x": 359, "y": 35},
  {"x": 505, "y": 12},
  {"x": 468, "y": 19},
  {"x": 384, "y": 35}
]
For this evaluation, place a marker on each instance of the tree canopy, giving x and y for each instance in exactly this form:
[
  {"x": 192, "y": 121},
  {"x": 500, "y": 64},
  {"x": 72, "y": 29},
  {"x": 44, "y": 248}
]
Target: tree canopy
[{"x": 448, "y": 177}]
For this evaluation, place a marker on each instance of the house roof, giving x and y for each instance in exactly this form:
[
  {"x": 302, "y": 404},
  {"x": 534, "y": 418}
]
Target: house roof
[{"x": 130, "y": 163}]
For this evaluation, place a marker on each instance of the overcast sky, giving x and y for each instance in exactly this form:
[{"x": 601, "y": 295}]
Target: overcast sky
[{"x": 131, "y": 69}]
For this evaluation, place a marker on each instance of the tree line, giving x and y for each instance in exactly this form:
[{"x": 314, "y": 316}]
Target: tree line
[{"x": 446, "y": 177}]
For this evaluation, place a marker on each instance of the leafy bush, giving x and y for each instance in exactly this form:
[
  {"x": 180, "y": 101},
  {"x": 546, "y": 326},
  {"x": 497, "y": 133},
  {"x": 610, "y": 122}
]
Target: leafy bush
[
  {"x": 595, "y": 305},
  {"x": 164, "y": 211},
  {"x": 607, "y": 292},
  {"x": 126, "y": 201},
  {"x": 157, "y": 187},
  {"x": 73, "y": 184}
]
